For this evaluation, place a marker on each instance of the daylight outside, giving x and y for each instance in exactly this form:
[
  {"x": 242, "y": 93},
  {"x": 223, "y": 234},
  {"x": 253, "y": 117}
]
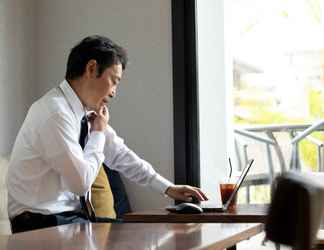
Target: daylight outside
[{"x": 277, "y": 51}]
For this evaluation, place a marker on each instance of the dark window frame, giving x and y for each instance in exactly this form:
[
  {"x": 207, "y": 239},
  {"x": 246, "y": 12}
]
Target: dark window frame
[{"x": 185, "y": 93}]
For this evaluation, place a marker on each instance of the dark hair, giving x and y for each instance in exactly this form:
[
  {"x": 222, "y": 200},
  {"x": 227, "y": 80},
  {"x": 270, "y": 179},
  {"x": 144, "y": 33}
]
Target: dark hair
[{"x": 98, "y": 48}]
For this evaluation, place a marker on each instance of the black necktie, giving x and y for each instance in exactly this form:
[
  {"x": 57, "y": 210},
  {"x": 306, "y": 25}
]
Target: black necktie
[
  {"x": 84, "y": 131},
  {"x": 86, "y": 205}
]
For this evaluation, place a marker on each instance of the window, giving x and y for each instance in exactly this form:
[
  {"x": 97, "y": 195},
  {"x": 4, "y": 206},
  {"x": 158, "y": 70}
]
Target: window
[{"x": 218, "y": 74}]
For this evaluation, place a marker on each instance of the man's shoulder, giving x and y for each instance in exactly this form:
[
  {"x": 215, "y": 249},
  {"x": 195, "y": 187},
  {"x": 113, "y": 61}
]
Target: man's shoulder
[{"x": 51, "y": 104}]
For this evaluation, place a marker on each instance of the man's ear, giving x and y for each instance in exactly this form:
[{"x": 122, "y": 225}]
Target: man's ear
[{"x": 91, "y": 69}]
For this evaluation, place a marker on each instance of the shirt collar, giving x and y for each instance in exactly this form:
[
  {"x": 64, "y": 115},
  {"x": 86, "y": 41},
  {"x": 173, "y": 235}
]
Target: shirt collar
[{"x": 74, "y": 102}]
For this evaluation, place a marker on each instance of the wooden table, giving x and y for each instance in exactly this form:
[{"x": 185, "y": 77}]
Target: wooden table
[
  {"x": 243, "y": 214},
  {"x": 320, "y": 238},
  {"x": 100, "y": 236}
]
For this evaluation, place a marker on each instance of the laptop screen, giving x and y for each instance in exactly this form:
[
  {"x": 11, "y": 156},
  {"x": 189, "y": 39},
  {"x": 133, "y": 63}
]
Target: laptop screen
[{"x": 239, "y": 183}]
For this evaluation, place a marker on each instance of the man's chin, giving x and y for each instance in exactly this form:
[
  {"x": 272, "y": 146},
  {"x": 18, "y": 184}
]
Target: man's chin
[
  {"x": 97, "y": 107},
  {"x": 91, "y": 108}
]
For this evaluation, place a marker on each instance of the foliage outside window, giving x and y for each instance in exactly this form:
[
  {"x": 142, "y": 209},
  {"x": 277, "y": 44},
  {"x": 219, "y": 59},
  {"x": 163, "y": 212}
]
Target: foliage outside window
[{"x": 278, "y": 67}]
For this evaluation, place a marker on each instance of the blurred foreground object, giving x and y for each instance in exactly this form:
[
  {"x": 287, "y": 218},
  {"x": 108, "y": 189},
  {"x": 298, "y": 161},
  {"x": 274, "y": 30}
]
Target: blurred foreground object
[{"x": 296, "y": 210}]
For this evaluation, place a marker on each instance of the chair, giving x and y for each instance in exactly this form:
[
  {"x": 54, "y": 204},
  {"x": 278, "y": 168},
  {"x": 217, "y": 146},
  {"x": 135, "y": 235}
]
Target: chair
[
  {"x": 247, "y": 137},
  {"x": 306, "y": 134},
  {"x": 108, "y": 189},
  {"x": 295, "y": 211},
  {"x": 121, "y": 202}
]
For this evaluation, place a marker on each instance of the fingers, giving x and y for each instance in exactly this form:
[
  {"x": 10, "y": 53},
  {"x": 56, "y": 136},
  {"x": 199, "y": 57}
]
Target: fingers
[
  {"x": 194, "y": 191},
  {"x": 201, "y": 193},
  {"x": 185, "y": 193},
  {"x": 91, "y": 116},
  {"x": 196, "y": 194},
  {"x": 99, "y": 119},
  {"x": 103, "y": 111}
]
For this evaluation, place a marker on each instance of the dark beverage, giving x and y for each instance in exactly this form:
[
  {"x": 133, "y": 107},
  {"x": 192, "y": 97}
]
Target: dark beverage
[{"x": 226, "y": 190}]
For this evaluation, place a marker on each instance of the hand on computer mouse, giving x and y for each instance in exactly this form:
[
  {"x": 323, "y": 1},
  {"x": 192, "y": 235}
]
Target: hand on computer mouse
[
  {"x": 185, "y": 193},
  {"x": 194, "y": 200}
]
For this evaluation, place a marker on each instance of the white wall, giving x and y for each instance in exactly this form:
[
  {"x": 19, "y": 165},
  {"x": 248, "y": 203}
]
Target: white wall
[
  {"x": 142, "y": 113},
  {"x": 17, "y": 66},
  {"x": 214, "y": 104}
]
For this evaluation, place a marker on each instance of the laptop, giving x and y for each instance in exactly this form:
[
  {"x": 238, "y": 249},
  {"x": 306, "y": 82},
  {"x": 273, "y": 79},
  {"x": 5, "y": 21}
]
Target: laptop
[{"x": 212, "y": 207}]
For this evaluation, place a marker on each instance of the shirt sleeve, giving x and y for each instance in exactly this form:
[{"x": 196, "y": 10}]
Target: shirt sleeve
[
  {"x": 78, "y": 168},
  {"x": 120, "y": 158}
]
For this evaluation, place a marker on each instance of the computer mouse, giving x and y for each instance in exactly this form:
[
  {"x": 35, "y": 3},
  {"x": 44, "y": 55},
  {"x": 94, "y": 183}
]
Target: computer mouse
[{"x": 188, "y": 208}]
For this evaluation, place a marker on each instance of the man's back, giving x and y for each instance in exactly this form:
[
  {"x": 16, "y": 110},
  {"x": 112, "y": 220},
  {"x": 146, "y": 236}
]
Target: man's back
[{"x": 34, "y": 177}]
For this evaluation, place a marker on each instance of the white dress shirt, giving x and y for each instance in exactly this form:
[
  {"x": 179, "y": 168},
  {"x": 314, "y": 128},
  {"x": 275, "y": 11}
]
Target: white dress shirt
[{"x": 48, "y": 169}]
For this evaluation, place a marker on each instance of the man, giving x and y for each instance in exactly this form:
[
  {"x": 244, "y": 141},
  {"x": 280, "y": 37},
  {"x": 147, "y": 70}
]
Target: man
[{"x": 52, "y": 168}]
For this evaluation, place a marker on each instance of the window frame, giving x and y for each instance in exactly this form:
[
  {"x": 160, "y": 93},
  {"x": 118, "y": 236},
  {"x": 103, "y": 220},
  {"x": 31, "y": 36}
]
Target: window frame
[{"x": 185, "y": 93}]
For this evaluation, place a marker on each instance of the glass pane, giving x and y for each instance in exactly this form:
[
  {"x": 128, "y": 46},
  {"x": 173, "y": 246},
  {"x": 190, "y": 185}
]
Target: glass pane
[{"x": 277, "y": 49}]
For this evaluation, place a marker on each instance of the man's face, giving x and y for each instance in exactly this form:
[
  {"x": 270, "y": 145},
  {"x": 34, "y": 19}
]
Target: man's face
[{"x": 104, "y": 87}]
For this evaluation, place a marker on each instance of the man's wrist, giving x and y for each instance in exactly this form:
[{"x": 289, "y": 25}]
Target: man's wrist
[
  {"x": 160, "y": 184},
  {"x": 166, "y": 193}
]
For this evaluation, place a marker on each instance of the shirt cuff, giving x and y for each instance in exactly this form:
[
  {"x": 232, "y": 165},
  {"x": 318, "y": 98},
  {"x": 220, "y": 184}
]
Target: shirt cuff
[
  {"x": 160, "y": 184},
  {"x": 98, "y": 139}
]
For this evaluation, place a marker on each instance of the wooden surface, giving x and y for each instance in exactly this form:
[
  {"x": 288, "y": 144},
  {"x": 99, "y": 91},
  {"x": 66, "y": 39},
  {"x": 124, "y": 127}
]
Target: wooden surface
[
  {"x": 167, "y": 236},
  {"x": 243, "y": 214},
  {"x": 320, "y": 237}
]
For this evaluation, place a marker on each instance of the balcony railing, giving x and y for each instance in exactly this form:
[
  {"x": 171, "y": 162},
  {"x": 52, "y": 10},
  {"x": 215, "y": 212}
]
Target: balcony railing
[{"x": 266, "y": 135}]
